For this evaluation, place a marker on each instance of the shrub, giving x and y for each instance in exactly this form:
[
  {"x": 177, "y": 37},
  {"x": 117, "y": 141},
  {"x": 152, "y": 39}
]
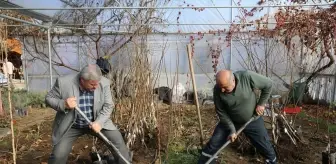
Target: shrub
[{"x": 23, "y": 99}]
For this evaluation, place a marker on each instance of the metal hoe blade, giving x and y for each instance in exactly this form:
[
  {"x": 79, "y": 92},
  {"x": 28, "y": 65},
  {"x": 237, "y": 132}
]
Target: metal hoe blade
[{"x": 104, "y": 137}]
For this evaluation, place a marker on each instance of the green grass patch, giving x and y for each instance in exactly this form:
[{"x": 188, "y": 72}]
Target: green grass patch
[
  {"x": 179, "y": 157},
  {"x": 5, "y": 144},
  {"x": 302, "y": 114},
  {"x": 178, "y": 154},
  {"x": 332, "y": 128},
  {"x": 320, "y": 121}
]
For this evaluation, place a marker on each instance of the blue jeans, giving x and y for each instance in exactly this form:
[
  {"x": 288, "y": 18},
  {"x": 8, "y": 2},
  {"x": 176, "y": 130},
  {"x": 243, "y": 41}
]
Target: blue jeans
[{"x": 255, "y": 131}]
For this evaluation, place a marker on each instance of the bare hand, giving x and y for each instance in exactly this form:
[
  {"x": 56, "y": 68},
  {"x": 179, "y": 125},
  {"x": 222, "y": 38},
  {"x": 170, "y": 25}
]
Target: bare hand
[
  {"x": 71, "y": 103},
  {"x": 232, "y": 137},
  {"x": 95, "y": 127},
  {"x": 260, "y": 110}
]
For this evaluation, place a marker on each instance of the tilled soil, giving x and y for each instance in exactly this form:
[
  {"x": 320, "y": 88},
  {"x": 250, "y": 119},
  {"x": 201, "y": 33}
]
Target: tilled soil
[{"x": 34, "y": 140}]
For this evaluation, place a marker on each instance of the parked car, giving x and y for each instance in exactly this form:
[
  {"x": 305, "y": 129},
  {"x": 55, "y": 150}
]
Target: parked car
[{"x": 3, "y": 79}]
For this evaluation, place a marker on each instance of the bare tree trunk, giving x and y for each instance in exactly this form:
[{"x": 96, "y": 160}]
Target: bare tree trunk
[
  {"x": 327, "y": 48},
  {"x": 266, "y": 56}
]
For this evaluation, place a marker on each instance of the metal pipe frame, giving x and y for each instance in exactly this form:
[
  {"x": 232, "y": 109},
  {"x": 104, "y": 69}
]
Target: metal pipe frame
[
  {"x": 22, "y": 21},
  {"x": 164, "y": 24},
  {"x": 78, "y": 53},
  {"x": 152, "y": 24},
  {"x": 49, "y": 39},
  {"x": 230, "y": 67},
  {"x": 169, "y": 7},
  {"x": 24, "y": 67},
  {"x": 50, "y": 66}
]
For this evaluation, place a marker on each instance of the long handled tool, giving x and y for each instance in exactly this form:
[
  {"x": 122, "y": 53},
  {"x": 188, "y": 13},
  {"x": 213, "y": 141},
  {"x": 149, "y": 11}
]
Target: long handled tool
[
  {"x": 104, "y": 138},
  {"x": 229, "y": 141}
]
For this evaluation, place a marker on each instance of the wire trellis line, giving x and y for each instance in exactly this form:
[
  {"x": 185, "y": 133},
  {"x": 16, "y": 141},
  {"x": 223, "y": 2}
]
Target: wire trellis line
[{"x": 167, "y": 7}]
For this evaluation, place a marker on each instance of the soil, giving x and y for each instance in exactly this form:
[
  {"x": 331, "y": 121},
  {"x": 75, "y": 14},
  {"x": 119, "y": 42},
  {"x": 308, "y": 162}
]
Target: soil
[{"x": 34, "y": 140}]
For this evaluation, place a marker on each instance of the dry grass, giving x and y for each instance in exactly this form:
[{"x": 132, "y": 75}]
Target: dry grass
[{"x": 139, "y": 107}]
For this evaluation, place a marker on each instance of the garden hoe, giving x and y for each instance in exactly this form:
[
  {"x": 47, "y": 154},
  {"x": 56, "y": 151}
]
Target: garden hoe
[
  {"x": 109, "y": 143},
  {"x": 229, "y": 141}
]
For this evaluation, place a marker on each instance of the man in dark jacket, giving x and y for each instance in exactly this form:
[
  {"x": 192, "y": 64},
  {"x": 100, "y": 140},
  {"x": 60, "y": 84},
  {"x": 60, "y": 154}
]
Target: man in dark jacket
[{"x": 236, "y": 103}]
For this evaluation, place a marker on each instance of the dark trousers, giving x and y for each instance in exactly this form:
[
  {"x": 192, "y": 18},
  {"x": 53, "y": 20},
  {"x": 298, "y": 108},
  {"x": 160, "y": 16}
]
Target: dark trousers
[
  {"x": 255, "y": 131},
  {"x": 61, "y": 151}
]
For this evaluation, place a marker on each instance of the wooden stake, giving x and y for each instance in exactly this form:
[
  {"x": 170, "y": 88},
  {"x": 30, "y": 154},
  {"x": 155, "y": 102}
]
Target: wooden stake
[
  {"x": 9, "y": 82},
  {"x": 2, "y": 111},
  {"x": 195, "y": 92}
]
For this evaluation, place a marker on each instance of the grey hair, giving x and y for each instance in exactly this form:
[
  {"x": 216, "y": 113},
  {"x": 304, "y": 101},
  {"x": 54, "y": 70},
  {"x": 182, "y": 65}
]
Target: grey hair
[{"x": 91, "y": 72}]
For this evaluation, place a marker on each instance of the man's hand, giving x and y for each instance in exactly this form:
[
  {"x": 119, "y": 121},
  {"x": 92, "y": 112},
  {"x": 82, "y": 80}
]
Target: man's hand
[
  {"x": 96, "y": 127},
  {"x": 71, "y": 103},
  {"x": 260, "y": 110},
  {"x": 232, "y": 137}
]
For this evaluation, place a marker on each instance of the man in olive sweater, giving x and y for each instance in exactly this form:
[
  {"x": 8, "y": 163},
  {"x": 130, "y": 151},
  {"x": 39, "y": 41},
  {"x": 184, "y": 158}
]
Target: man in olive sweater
[{"x": 236, "y": 103}]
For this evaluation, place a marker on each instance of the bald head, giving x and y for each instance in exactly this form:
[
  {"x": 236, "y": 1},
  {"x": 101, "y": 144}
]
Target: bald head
[
  {"x": 225, "y": 80},
  {"x": 224, "y": 77}
]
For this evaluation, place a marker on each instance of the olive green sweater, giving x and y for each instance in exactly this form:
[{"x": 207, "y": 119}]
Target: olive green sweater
[{"x": 236, "y": 108}]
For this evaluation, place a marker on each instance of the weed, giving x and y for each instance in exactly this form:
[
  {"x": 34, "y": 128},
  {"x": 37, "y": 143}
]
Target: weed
[
  {"x": 22, "y": 99},
  {"x": 178, "y": 154},
  {"x": 322, "y": 122}
]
